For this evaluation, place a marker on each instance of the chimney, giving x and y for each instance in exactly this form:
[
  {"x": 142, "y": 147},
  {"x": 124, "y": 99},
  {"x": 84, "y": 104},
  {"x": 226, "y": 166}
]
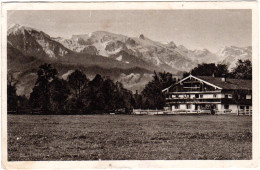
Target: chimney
[{"x": 224, "y": 79}]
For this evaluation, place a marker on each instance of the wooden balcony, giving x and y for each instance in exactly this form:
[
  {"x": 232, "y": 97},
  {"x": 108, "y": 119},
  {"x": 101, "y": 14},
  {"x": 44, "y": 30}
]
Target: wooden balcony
[
  {"x": 195, "y": 92},
  {"x": 193, "y": 100}
]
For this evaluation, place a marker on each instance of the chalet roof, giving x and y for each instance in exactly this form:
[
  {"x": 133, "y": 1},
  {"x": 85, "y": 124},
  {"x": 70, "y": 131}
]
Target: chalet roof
[
  {"x": 218, "y": 83},
  {"x": 229, "y": 83}
]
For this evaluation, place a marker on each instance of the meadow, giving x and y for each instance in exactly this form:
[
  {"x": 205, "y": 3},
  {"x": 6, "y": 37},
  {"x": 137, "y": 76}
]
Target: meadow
[{"x": 129, "y": 137}]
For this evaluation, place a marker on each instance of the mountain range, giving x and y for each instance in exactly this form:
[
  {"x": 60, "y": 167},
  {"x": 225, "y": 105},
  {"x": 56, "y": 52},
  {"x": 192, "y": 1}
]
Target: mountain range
[{"x": 130, "y": 60}]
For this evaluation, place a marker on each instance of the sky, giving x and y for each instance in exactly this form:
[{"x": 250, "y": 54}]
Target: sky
[{"x": 195, "y": 29}]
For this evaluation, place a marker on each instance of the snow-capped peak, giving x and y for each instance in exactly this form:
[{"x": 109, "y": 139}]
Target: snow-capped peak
[
  {"x": 230, "y": 55},
  {"x": 12, "y": 26},
  {"x": 16, "y": 28},
  {"x": 183, "y": 48}
]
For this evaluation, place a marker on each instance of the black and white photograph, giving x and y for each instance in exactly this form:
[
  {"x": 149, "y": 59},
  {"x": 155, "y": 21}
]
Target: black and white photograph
[{"x": 126, "y": 84}]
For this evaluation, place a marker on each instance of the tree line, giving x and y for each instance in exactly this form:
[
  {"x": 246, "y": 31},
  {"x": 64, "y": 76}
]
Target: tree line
[
  {"x": 243, "y": 70},
  {"x": 80, "y": 95}
]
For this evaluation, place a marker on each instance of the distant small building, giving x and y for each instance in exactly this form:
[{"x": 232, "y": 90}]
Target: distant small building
[{"x": 218, "y": 94}]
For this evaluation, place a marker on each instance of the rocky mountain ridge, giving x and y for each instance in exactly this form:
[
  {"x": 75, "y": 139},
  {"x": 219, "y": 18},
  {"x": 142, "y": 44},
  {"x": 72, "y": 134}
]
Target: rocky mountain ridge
[{"x": 130, "y": 60}]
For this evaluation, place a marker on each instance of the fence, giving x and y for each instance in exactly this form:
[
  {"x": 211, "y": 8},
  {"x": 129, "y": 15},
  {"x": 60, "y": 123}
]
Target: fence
[
  {"x": 235, "y": 112},
  {"x": 161, "y": 112},
  {"x": 245, "y": 112},
  {"x": 26, "y": 111},
  {"x": 147, "y": 112}
]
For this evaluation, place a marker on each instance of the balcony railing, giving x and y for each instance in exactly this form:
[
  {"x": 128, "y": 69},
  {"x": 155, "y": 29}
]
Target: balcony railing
[
  {"x": 195, "y": 92},
  {"x": 192, "y": 98},
  {"x": 195, "y": 100}
]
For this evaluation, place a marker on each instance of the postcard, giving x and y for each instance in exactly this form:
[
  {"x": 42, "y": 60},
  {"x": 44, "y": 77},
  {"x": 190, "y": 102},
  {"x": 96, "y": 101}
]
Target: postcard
[{"x": 130, "y": 85}]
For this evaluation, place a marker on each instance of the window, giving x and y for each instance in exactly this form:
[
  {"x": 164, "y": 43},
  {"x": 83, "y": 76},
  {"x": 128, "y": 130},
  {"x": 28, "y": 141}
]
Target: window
[
  {"x": 188, "y": 106},
  {"x": 247, "y": 107},
  {"x": 228, "y": 96},
  {"x": 242, "y": 107},
  {"x": 241, "y": 96},
  {"x": 177, "y": 96},
  {"x": 201, "y": 96},
  {"x": 248, "y": 96},
  {"x": 196, "y": 96},
  {"x": 176, "y": 106},
  {"x": 214, "y": 95},
  {"x": 226, "y": 106}
]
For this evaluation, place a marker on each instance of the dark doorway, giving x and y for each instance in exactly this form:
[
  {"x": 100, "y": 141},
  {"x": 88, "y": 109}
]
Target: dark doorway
[{"x": 196, "y": 107}]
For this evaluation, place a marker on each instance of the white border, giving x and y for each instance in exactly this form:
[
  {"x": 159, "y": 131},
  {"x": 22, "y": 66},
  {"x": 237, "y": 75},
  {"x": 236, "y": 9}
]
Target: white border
[{"x": 132, "y": 6}]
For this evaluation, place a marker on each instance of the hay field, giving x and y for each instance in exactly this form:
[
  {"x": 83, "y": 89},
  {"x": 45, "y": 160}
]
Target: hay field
[{"x": 128, "y": 137}]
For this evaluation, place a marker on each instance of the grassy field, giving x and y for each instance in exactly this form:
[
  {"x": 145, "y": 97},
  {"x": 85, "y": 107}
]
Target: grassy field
[{"x": 128, "y": 137}]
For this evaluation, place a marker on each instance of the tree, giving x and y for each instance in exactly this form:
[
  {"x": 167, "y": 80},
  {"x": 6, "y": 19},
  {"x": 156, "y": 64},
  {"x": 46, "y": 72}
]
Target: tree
[
  {"x": 243, "y": 70},
  {"x": 109, "y": 91},
  {"x": 12, "y": 97},
  {"x": 105, "y": 96},
  {"x": 78, "y": 81},
  {"x": 152, "y": 95},
  {"x": 166, "y": 79},
  {"x": 185, "y": 74},
  {"x": 221, "y": 70},
  {"x": 36, "y": 97},
  {"x": 137, "y": 104},
  {"x": 124, "y": 99},
  {"x": 40, "y": 96},
  {"x": 23, "y": 104},
  {"x": 208, "y": 70},
  {"x": 59, "y": 93},
  {"x": 95, "y": 95}
]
